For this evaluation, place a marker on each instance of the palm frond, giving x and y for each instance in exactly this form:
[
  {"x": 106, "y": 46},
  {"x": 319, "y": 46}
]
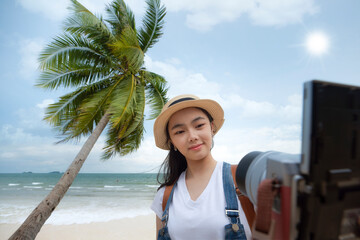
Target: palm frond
[
  {"x": 73, "y": 76},
  {"x": 66, "y": 135},
  {"x": 128, "y": 50},
  {"x": 122, "y": 102},
  {"x": 138, "y": 110},
  {"x": 59, "y": 113},
  {"x": 84, "y": 22},
  {"x": 122, "y": 146},
  {"x": 93, "y": 108},
  {"x": 118, "y": 135},
  {"x": 156, "y": 92},
  {"x": 119, "y": 16},
  {"x": 67, "y": 49},
  {"x": 132, "y": 141},
  {"x": 153, "y": 23},
  {"x": 62, "y": 110}
]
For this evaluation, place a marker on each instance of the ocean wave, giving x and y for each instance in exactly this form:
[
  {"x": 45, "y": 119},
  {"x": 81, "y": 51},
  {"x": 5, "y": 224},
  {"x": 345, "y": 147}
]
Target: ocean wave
[
  {"x": 115, "y": 188},
  {"x": 85, "y": 216},
  {"x": 76, "y": 214},
  {"x": 37, "y": 183},
  {"x": 109, "y": 186},
  {"x": 94, "y": 198},
  {"x": 96, "y": 188},
  {"x": 33, "y": 187}
]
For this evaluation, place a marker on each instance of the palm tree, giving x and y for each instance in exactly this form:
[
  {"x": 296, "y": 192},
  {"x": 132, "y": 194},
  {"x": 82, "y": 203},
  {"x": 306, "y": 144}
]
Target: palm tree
[{"x": 103, "y": 60}]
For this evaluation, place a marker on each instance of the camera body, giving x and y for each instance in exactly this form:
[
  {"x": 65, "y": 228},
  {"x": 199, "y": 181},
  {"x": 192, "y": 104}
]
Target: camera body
[
  {"x": 315, "y": 194},
  {"x": 253, "y": 169}
]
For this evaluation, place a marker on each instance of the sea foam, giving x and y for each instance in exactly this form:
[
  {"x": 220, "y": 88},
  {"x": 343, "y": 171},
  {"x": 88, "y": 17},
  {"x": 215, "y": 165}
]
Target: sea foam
[{"x": 13, "y": 184}]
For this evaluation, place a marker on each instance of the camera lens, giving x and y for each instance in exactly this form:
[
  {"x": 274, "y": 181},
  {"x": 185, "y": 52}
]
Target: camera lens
[
  {"x": 250, "y": 171},
  {"x": 242, "y": 169}
]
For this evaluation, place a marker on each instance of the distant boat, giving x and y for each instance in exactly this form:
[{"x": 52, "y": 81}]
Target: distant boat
[{"x": 26, "y": 172}]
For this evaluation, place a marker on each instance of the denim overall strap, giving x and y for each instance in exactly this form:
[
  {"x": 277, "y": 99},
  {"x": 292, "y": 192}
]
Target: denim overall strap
[
  {"x": 234, "y": 230},
  {"x": 163, "y": 232}
]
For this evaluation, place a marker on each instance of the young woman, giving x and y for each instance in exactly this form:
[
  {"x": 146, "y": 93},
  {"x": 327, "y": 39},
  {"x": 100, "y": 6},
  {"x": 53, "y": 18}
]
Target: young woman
[{"x": 196, "y": 207}]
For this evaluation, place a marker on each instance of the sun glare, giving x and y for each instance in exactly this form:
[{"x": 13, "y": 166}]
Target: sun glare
[{"x": 317, "y": 43}]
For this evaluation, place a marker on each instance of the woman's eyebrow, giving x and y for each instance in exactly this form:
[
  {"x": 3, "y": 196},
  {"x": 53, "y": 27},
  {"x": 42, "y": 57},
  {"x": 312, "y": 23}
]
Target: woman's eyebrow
[
  {"x": 181, "y": 124},
  {"x": 197, "y": 119},
  {"x": 177, "y": 125}
]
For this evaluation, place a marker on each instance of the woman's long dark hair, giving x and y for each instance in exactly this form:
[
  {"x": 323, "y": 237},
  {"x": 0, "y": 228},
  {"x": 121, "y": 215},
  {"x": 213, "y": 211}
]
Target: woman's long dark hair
[
  {"x": 170, "y": 170},
  {"x": 175, "y": 163}
]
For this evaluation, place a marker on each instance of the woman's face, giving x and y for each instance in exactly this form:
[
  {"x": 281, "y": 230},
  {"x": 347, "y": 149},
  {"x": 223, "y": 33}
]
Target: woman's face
[{"x": 190, "y": 132}]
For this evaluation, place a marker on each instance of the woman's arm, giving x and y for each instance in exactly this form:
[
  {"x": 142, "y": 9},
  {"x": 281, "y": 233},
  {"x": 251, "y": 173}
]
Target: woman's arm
[{"x": 158, "y": 226}]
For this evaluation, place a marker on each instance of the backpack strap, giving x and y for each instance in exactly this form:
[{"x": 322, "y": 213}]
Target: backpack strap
[
  {"x": 246, "y": 204},
  {"x": 167, "y": 192}
]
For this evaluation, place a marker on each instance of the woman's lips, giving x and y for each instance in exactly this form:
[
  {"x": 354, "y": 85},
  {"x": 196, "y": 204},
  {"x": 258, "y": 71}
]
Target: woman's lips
[{"x": 195, "y": 147}]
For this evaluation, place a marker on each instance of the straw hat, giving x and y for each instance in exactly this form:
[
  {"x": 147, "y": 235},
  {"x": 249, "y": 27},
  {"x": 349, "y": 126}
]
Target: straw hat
[{"x": 178, "y": 103}]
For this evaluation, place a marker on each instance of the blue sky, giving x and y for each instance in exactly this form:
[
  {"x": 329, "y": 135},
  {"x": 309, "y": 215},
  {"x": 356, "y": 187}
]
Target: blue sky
[{"x": 251, "y": 56}]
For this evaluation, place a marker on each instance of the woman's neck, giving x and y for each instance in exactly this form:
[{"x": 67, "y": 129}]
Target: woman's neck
[
  {"x": 198, "y": 175},
  {"x": 200, "y": 168}
]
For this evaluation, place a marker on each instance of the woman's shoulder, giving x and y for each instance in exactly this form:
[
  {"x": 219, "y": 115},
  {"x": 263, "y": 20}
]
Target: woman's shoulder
[
  {"x": 159, "y": 195},
  {"x": 161, "y": 190},
  {"x": 156, "y": 205}
]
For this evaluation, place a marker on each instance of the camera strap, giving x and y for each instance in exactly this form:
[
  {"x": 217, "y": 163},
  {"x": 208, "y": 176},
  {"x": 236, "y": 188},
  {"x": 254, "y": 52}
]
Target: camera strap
[{"x": 264, "y": 225}]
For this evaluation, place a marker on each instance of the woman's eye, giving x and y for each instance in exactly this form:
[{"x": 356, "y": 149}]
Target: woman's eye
[
  {"x": 200, "y": 125},
  {"x": 179, "y": 132}
]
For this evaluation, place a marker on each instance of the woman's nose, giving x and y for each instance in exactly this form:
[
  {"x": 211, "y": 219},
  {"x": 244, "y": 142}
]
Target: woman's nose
[{"x": 192, "y": 135}]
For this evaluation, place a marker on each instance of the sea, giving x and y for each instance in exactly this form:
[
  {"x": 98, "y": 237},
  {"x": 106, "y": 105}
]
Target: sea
[{"x": 93, "y": 197}]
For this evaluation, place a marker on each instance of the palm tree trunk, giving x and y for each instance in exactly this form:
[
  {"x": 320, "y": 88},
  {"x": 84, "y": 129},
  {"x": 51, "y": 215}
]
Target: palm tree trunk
[{"x": 32, "y": 225}]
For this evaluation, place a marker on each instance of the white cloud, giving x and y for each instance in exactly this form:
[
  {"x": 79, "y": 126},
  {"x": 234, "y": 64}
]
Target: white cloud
[
  {"x": 191, "y": 82},
  {"x": 17, "y": 135},
  {"x": 183, "y": 81},
  {"x": 281, "y": 12},
  {"x": 231, "y": 144},
  {"x": 98, "y": 6},
  {"x": 147, "y": 158},
  {"x": 21, "y": 145},
  {"x": 30, "y": 118},
  {"x": 45, "y": 103},
  {"x": 264, "y": 111},
  {"x": 51, "y": 9},
  {"x": 57, "y": 10},
  {"x": 7, "y": 155},
  {"x": 249, "y": 108},
  {"x": 29, "y": 50},
  {"x": 202, "y": 15}
]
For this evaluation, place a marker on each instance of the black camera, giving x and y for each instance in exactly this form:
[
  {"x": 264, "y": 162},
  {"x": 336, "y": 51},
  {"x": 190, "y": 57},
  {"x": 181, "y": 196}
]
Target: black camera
[{"x": 314, "y": 194}]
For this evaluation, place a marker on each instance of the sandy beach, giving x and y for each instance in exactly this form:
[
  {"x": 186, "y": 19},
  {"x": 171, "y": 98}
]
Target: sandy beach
[{"x": 141, "y": 227}]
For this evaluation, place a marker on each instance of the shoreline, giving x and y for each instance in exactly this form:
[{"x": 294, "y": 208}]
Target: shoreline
[{"x": 139, "y": 227}]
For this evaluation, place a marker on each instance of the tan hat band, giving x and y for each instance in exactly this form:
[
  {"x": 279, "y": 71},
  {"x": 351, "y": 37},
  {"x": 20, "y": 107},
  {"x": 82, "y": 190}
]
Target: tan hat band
[{"x": 181, "y": 100}]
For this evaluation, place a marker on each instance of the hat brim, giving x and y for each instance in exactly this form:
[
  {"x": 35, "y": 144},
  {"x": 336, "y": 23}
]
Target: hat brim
[{"x": 212, "y": 107}]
